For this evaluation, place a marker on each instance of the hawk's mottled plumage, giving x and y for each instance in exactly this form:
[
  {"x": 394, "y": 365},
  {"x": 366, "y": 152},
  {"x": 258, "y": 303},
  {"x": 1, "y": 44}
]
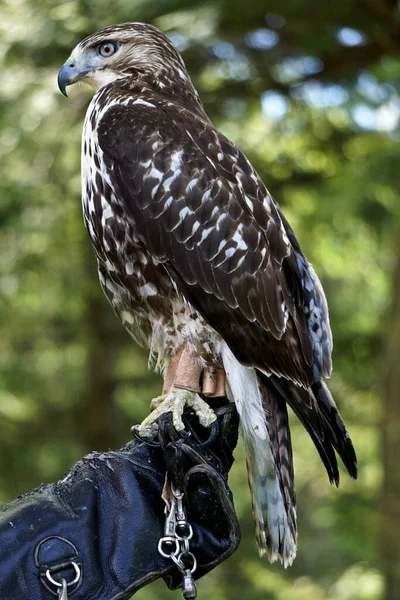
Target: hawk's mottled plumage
[{"x": 194, "y": 253}]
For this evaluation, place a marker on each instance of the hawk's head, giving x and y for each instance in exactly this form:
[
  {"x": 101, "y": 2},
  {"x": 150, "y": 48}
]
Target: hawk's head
[{"x": 120, "y": 51}]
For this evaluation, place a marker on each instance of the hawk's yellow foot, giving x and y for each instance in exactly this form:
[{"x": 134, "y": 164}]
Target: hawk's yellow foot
[{"x": 175, "y": 401}]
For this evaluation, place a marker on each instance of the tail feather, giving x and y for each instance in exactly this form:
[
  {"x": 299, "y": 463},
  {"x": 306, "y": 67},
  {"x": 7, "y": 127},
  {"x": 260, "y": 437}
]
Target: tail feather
[
  {"x": 277, "y": 421},
  {"x": 341, "y": 440},
  {"x": 268, "y": 450},
  {"x": 317, "y": 411},
  {"x": 261, "y": 402}
]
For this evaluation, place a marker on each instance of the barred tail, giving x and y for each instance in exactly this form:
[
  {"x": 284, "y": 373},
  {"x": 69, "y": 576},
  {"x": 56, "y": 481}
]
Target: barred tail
[
  {"x": 261, "y": 402},
  {"x": 268, "y": 450}
]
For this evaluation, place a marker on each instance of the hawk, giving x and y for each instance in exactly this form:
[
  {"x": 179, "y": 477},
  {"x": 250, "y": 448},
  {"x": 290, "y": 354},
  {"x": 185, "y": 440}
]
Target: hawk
[{"x": 201, "y": 266}]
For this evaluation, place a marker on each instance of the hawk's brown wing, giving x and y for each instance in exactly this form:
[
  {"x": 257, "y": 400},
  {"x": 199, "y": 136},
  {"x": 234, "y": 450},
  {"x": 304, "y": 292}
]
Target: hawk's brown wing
[{"x": 201, "y": 209}]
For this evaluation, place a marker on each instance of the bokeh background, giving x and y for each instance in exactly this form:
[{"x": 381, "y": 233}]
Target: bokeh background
[{"x": 308, "y": 89}]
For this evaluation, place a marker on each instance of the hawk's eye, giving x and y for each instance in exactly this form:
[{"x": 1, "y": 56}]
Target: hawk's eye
[{"x": 107, "y": 49}]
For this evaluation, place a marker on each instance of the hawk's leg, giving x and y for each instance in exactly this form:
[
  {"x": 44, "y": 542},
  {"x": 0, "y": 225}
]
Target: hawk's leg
[
  {"x": 170, "y": 373},
  {"x": 181, "y": 389}
]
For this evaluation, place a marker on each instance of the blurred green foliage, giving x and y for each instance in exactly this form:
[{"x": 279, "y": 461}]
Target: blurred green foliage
[{"x": 308, "y": 90}]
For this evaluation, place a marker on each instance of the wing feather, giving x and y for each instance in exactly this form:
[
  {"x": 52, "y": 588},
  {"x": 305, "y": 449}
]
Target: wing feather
[{"x": 201, "y": 208}]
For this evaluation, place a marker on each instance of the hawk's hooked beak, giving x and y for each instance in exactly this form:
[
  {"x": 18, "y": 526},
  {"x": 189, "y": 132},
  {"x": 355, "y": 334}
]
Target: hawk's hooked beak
[{"x": 69, "y": 74}]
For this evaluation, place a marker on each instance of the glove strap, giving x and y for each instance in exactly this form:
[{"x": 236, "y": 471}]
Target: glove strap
[
  {"x": 175, "y": 544},
  {"x": 59, "y": 565}
]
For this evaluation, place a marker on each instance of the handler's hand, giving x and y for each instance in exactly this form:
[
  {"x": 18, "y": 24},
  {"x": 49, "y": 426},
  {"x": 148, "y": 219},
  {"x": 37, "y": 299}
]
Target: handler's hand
[{"x": 100, "y": 526}]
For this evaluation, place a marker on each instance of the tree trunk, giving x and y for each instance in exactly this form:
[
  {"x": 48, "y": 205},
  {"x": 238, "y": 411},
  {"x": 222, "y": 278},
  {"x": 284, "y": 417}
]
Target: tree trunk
[{"x": 97, "y": 418}]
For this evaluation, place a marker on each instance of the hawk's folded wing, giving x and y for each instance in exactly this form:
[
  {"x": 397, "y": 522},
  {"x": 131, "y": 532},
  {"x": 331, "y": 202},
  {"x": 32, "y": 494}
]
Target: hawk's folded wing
[{"x": 201, "y": 210}]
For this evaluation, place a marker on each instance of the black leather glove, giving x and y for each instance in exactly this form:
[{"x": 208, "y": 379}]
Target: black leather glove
[{"x": 99, "y": 528}]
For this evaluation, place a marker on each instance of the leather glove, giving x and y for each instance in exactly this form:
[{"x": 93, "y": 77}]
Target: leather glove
[{"x": 99, "y": 528}]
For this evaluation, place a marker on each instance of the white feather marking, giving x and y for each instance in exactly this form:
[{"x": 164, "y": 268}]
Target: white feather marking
[
  {"x": 144, "y": 103},
  {"x": 240, "y": 261},
  {"x": 284, "y": 235},
  {"x": 101, "y": 77},
  {"x": 177, "y": 224},
  {"x": 249, "y": 203},
  {"x": 239, "y": 241},
  {"x": 176, "y": 160},
  {"x": 184, "y": 212},
  {"x": 228, "y": 253},
  {"x": 195, "y": 227},
  {"x": 167, "y": 203},
  {"x": 89, "y": 225},
  {"x": 267, "y": 204},
  {"x": 191, "y": 184},
  {"x": 182, "y": 74},
  {"x": 107, "y": 212},
  {"x": 91, "y": 205},
  {"x": 127, "y": 317},
  {"x": 221, "y": 219},
  {"x": 147, "y": 290},
  {"x": 206, "y": 196},
  {"x": 110, "y": 286},
  {"x": 205, "y": 234},
  {"x": 175, "y": 166},
  {"x": 155, "y": 173},
  {"x": 167, "y": 182},
  {"x": 222, "y": 244},
  {"x": 155, "y": 190}
]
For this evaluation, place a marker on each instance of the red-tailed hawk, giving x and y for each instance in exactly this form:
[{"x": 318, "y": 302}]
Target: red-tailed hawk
[{"x": 202, "y": 267}]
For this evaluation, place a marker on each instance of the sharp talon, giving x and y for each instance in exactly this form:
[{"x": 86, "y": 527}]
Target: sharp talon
[
  {"x": 143, "y": 439},
  {"x": 212, "y": 437}
]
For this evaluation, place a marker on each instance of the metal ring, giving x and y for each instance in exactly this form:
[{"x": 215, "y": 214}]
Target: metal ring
[
  {"x": 168, "y": 554},
  {"x": 184, "y": 537},
  {"x": 212, "y": 437},
  {"x": 57, "y": 584},
  {"x": 144, "y": 440},
  {"x": 192, "y": 557},
  {"x": 186, "y": 548},
  {"x": 181, "y": 565}
]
